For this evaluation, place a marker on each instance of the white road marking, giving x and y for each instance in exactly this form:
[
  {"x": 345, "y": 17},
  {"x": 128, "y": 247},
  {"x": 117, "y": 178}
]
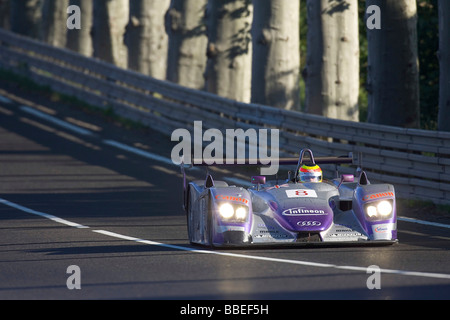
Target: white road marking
[
  {"x": 142, "y": 153},
  {"x": 219, "y": 253},
  {"x": 43, "y": 215},
  {"x": 57, "y": 121},
  {"x": 427, "y": 223},
  {"x": 86, "y": 132},
  {"x": 137, "y": 151},
  {"x": 5, "y": 100},
  {"x": 288, "y": 261}
]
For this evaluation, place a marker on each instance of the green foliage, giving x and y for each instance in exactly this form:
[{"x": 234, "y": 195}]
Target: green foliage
[{"x": 428, "y": 35}]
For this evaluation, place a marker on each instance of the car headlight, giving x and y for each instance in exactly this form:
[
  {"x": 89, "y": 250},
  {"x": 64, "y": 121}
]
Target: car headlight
[
  {"x": 233, "y": 214},
  {"x": 379, "y": 210},
  {"x": 226, "y": 211},
  {"x": 371, "y": 211},
  {"x": 241, "y": 213},
  {"x": 384, "y": 208}
]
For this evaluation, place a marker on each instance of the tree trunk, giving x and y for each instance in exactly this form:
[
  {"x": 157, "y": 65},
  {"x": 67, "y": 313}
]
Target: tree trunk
[
  {"x": 276, "y": 54},
  {"x": 444, "y": 58},
  {"x": 332, "y": 70},
  {"x": 54, "y": 22},
  {"x": 81, "y": 40},
  {"x": 393, "y": 71},
  {"x": 110, "y": 20},
  {"x": 146, "y": 37},
  {"x": 228, "y": 71},
  {"x": 26, "y": 17},
  {"x": 5, "y": 14},
  {"x": 187, "y": 44}
]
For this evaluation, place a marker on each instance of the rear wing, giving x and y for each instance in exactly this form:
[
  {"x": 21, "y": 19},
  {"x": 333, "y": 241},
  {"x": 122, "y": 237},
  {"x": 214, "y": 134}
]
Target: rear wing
[
  {"x": 306, "y": 158},
  {"x": 311, "y": 160}
]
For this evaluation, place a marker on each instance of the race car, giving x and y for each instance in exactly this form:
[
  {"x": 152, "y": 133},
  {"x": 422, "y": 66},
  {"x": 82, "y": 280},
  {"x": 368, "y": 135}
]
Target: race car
[{"x": 343, "y": 210}]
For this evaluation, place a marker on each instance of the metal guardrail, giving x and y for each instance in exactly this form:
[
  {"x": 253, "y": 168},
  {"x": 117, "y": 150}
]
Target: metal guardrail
[{"x": 416, "y": 162}]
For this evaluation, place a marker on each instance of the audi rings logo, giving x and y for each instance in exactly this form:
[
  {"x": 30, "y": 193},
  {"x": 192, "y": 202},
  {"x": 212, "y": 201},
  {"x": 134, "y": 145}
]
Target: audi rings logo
[{"x": 309, "y": 223}]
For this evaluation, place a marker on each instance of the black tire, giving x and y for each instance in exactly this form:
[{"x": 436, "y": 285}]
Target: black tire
[
  {"x": 189, "y": 216},
  {"x": 210, "y": 223}
]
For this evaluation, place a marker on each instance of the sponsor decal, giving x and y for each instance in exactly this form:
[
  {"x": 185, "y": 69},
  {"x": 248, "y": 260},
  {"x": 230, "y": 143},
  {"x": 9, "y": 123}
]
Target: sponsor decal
[
  {"x": 278, "y": 186},
  {"x": 383, "y": 231},
  {"x": 377, "y": 196},
  {"x": 231, "y": 228},
  {"x": 302, "y": 212},
  {"x": 345, "y": 234},
  {"x": 309, "y": 223},
  {"x": 382, "y": 228},
  {"x": 301, "y": 193},
  {"x": 272, "y": 236},
  {"x": 231, "y": 198}
]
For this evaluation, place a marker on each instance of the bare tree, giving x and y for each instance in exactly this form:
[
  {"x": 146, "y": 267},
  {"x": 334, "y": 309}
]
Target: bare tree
[
  {"x": 393, "y": 69},
  {"x": 110, "y": 20},
  {"x": 81, "y": 40},
  {"x": 332, "y": 71},
  {"x": 276, "y": 53},
  {"x": 444, "y": 59},
  {"x": 26, "y": 17},
  {"x": 54, "y": 22},
  {"x": 187, "y": 43},
  {"x": 146, "y": 37},
  {"x": 228, "y": 71}
]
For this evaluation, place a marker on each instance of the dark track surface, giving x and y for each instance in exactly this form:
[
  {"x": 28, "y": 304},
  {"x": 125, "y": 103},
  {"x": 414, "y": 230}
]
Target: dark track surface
[{"x": 52, "y": 170}]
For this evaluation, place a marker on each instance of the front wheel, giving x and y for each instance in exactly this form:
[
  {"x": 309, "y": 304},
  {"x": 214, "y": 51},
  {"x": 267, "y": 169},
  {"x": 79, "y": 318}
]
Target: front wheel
[
  {"x": 210, "y": 223},
  {"x": 190, "y": 217}
]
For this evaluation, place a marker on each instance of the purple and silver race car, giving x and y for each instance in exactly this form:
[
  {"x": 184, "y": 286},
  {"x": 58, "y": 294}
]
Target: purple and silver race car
[{"x": 344, "y": 210}]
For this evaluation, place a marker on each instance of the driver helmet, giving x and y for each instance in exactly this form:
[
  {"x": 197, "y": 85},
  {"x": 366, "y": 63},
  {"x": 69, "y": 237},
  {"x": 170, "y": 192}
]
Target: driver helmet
[{"x": 310, "y": 173}]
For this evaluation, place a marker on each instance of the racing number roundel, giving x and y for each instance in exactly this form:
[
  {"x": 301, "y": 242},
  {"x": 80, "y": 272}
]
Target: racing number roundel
[{"x": 301, "y": 193}]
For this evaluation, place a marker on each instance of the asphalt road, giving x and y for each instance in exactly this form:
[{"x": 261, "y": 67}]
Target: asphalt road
[{"x": 104, "y": 201}]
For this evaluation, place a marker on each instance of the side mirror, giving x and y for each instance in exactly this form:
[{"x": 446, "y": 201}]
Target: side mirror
[
  {"x": 346, "y": 178},
  {"x": 259, "y": 180}
]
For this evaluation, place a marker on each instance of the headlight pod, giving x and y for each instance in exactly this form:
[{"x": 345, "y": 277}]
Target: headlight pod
[
  {"x": 380, "y": 210},
  {"x": 231, "y": 213}
]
